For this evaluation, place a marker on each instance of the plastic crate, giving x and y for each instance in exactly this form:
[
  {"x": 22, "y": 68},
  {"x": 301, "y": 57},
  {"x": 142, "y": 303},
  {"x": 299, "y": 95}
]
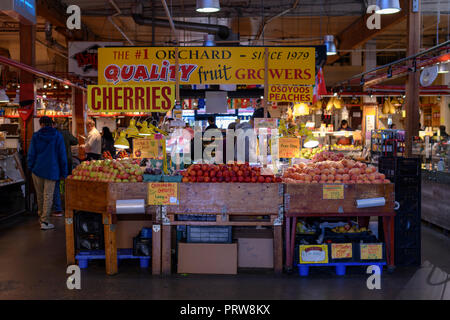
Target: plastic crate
[
  {"x": 195, "y": 217},
  {"x": 142, "y": 247},
  {"x": 341, "y": 267},
  {"x": 152, "y": 178},
  {"x": 209, "y": 234},
  {"x": 83, "y": 257},
  {"x": 349, "y": 237}
]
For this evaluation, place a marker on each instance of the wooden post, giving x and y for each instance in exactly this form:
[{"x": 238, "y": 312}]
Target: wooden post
[
  {"x": 412, "y": 83},
  {"x": 266, "y": 80},
  {"x": 78, "y": 122},
  {"x": 278, "y": 249},
  {"x": 110, "y": 244},
  {"x": 166, "y": 256},
  {"x": 156, "y": 249},
  {"x": 70, "y": 240}
]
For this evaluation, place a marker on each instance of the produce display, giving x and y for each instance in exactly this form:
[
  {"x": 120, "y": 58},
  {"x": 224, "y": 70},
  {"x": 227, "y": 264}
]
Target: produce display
[
  {"x": 226, "y": 173},
  {"x": 342, "y": 147},
  {"x": 125, "y": 170},
  {"x": 349, "y": 229},
  {"x": 328, "y": 167},
  {"x": 307, "y": 153}
]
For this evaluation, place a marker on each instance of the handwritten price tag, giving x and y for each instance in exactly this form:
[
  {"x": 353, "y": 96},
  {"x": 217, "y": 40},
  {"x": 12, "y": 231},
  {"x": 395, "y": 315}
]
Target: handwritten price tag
[
  {"x": 289, "y": 148},
  {"x": 372, "y": 251},
  {"x": 333, "y": 191},
  {"x": 162, "y": 194},
  {"x": 341, "y": 250}
]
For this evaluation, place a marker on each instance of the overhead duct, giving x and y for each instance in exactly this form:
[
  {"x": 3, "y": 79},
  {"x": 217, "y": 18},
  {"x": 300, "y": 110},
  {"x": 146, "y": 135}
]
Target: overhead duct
[{"x": 222, "y": 33}]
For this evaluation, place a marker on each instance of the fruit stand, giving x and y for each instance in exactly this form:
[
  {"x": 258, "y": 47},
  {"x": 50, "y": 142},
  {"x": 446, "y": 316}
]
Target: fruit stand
[
  {"x": 315, "y": 200},
  {"x": 100, "y": 197},
  {"x": 233, "y": 204}
]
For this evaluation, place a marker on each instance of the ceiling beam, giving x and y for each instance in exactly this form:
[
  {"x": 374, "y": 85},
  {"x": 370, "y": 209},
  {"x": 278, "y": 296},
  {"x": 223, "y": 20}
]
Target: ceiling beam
[{"x": 357, "y": 33}]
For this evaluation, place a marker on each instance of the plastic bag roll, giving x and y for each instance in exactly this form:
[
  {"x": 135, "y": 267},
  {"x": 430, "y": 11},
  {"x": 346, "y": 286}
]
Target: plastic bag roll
[
  {"x": 130, "y": 206},
  {"x": 372, "y": 202}
]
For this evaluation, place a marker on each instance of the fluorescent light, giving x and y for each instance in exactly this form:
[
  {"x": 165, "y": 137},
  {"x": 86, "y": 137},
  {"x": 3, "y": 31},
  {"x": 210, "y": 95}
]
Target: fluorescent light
[
  {"x": 388, "y": 6},
  {"x": 209, "y": 40},
  {"x": 208, "y": 6}
]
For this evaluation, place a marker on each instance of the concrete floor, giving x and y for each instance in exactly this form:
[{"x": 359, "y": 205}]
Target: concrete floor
[{"x": 33, "y": 266}]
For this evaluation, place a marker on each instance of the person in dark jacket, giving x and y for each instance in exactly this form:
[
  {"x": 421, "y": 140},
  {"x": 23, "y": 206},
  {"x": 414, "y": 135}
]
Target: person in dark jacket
[
  {"x": 69, "y": 140},
  {"x": 47, "y": 160},
  {"x": 108, "y": 141}
]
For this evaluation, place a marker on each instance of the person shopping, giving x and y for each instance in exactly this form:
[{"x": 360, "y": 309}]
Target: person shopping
[
  {"x": 93, "y": 143},
  {"x": 47, "y": 160},
  {"x": 108, "y": 142}
]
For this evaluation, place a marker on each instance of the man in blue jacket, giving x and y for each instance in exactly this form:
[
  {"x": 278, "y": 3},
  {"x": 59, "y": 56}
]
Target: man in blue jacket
[{"x": 47, "y": 161}]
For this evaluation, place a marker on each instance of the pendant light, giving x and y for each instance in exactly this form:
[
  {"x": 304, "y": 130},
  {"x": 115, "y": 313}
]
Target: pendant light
[
  {"x": 132, "y": 130},
  {"x": 3, "y": 96},
  {"x": 145, "y": 130},
  {"x": 209, "y": 40},
  {"x": 388, "y": 6},
  {"x": 329, "y": 43},
  {"x": 311, "y": 142},
  {"x": 208, "y": 6},
  {"x": 122, "y": 142},
  {"x": 16, "y": 98},
  {"x": 442, "y": 68},
  {"x": 301, "y": 109}
]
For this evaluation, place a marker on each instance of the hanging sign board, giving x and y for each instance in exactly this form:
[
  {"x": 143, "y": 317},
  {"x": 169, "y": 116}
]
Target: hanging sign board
[
  {"x": 162, "y": 194},
  {"x": 145, "y": 148},
  {"x": 313, "y": 253},
  {"x": 341, "y": 250},
  {"x": 289, "y": 147},
  {"x": 333, "y": 191},
  {"x": 20, "y": 10},
  {"x": 371, "y": 251},
  {"x": 139, "y": 98},
  {"x": 269, "y": 123},
  {"x": 206, "y": 65},
  {"x": 279, "y": 93}
]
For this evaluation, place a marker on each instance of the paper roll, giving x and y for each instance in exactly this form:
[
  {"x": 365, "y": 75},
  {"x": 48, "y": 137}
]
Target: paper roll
[
  {"x": 372, "y": 202},
  {"x": 130, "y": 206}
]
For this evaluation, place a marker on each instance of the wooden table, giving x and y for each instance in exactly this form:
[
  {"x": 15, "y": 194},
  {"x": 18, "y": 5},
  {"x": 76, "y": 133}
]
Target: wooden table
[
  {"x": 306, "y": 201},
  {"x": 100, "y": 197},
  {"x": 227, "y": 201}
]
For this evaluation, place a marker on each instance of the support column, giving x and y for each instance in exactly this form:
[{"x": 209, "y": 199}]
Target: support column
[
  {"x": 27, "y": 35},
  {"x": 412, "y": 83},
  {"x": 78, "y": 116}
]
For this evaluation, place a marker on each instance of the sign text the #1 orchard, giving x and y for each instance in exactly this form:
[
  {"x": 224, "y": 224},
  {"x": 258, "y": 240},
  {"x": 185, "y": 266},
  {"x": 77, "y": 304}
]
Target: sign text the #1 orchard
[{"x": 206, "y": 65}]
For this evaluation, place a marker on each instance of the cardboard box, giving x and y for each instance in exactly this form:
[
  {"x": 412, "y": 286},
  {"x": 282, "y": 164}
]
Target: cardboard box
[
  {"x": 207, "y": 258},
  {"x": 127, "y": 230},
  {"x": 255, "y": 253}
]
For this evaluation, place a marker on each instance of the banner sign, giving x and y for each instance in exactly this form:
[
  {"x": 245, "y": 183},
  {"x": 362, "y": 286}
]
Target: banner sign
[
  {"x": 279, "y": 93},
  {"x": 372, "y": 251},
  {"x": 162, "y": 194},
  {"x": 206, "y": 65},
  {"x": 341, "y": 250},
  {"x": 145, "y": 148},
  {"x": 289, "y": 147},
  {"x": 140, "y": 98},
  {"x": 333, "y": 191},
  {"x": 83, "y": 56},
  {"x": 317, "y": 253}
]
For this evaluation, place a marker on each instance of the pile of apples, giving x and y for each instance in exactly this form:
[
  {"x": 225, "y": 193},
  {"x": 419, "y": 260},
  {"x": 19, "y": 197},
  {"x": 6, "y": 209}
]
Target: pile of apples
[
  {"x": 126, "y": 170},
  {"x": 243, "y": 173},
  {"x": 327, "y": 155},
  {"x": 342, "y": 171}
]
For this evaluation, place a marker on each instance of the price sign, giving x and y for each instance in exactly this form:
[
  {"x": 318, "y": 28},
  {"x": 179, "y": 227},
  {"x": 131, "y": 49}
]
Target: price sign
[
  {"x": 145, "y": 148},
  {"x": 371, "y": 251},
  {"x": 314, "y": 253},
  {"x": 341, "y": 250},
  {"x": 333, "y": 191},
  {"x": 289, "y": 148},
  {"x": 162, "y": 193}
]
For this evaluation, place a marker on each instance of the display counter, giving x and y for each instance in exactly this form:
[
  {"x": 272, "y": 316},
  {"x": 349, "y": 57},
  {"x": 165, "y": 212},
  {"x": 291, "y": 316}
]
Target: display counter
[{"x": 436, "y": 198}]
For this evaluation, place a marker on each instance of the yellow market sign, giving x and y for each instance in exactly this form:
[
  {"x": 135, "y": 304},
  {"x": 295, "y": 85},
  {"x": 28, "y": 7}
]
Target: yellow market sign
[
  {"x": 280, "y": 93},
  {"x": 162, "y": 193},
  {"x": 289, "y": 147},
  {"x": 145, "y": 148},
  {"x": 206, "y": 65},
  {"x": 138, "y": 98}
]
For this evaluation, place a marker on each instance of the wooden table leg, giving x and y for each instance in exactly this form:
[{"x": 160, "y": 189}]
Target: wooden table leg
[
  {"x": 166, "y": 254},
  {"x": 278, "y": 249},
  {"x": 110, "y": 246},
  {"x": 287, "y": 241},
  {"x": 292, "y": 247},
  {"x": 156, "y": 250},
  {"x": 70, "y": 240},
  {"x": 388, "y": 230}
]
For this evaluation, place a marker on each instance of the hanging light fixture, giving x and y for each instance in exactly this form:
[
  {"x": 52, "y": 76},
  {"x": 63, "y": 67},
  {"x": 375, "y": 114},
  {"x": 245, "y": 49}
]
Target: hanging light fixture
[
  {"x": 122, "y": 142},
  {"x": 145, "y": 130},
  {"x": 3, "y": 96},
  {"x": 388, "y": 6},
  {"x": 208, "y": 6},
  {"x": 16, "y": 98},
  {"x": 442, "y": 68},
  {"x": 311, "y": 142},
  {"x": 301, "y": 109},
  {"x": 209, "y": 40},
  {"x": 329, "y": 43},
  {"x": 132, "y": 130}
]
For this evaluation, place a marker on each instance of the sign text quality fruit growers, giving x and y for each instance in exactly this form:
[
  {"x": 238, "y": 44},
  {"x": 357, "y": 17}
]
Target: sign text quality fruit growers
[{"x": 206, "y": 65}]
